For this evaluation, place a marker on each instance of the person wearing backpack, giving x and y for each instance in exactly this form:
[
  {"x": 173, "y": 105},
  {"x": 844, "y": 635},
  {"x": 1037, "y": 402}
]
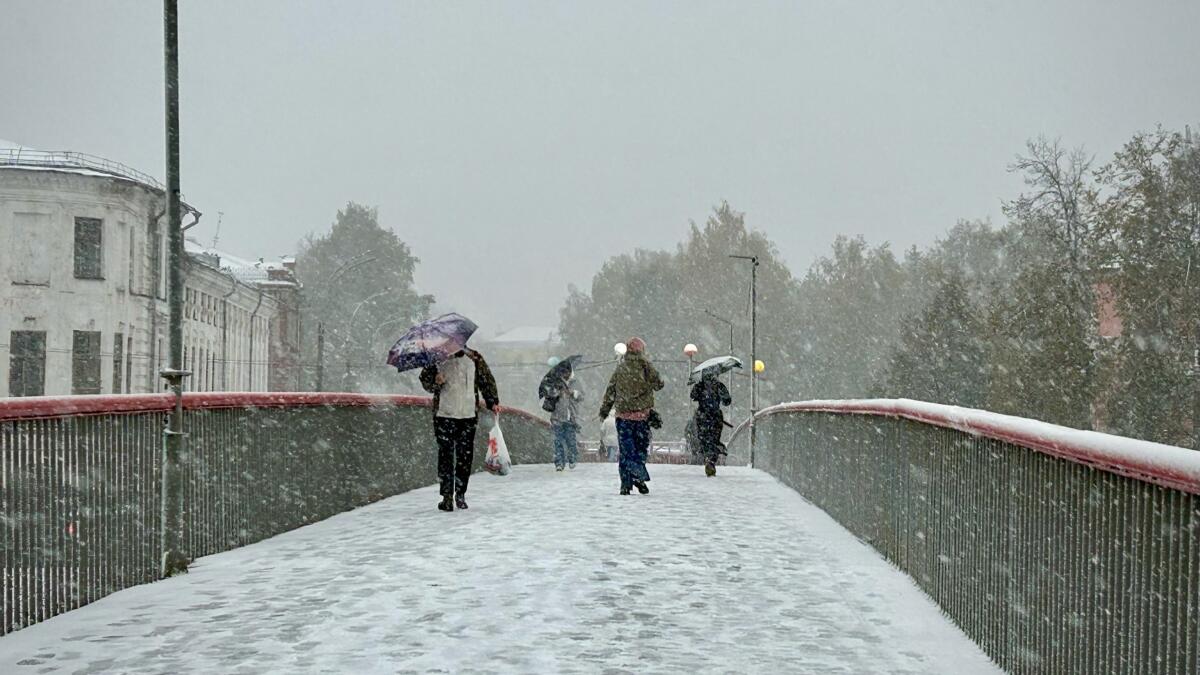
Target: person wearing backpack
[
  {"x": 564, "y": 418},
  {"x": 631, "y": 393},
  {"x": 710, "y": 394}
]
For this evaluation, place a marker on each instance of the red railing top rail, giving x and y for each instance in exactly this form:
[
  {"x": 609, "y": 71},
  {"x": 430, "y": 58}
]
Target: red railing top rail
[
  {"x": 1165, "y": 465},
  {"x": 44, "y": 407}
]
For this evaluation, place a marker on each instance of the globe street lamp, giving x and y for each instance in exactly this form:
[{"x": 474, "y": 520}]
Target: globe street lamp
[{"x": 689, "y": 350}]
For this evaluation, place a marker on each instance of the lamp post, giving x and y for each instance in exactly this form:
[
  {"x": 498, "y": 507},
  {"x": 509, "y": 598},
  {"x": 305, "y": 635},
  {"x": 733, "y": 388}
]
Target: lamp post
[
  {"x": 171, "y": 536},
  {"x": 350, "y": 328},
  {"x": 753, "y": 347},
  {"x": 689, "y": 350}
]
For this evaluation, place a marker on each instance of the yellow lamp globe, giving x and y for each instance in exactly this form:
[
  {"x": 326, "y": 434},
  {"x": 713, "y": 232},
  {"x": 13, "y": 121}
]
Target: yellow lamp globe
[{"x": 759, "y": 366}]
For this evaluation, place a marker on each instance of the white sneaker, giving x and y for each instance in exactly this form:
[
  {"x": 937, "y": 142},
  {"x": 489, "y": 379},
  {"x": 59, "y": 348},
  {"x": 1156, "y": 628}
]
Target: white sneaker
[{"x": 572, "y": 466}]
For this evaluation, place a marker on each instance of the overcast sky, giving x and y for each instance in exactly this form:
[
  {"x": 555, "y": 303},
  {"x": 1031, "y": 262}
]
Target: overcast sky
[{"x": 515, "y": 146}]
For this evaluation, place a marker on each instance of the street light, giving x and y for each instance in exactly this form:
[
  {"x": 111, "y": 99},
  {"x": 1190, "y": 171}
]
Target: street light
[
  {"x": 350, "y": 327},
  {"x": 689, "y": 350},
  {"x": 172, "y": 559},
  {"x": 753, "y": 346},
  {"x": 353, "y": 263}
]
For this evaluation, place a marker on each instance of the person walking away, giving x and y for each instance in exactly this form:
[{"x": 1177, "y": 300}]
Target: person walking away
[
  {"x": 710, "y": 394},
  {"x": 457, "y": 385},
  {"x": 609, "y": 441},
  {"x": 564, "y": 421},
  {"x": 630, "y": 392}
]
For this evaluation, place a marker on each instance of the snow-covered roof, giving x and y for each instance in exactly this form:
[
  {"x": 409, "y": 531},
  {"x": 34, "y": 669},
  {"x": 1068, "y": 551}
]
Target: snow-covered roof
[
  {"x": 526, "y": 335},
  {"x": 15, "y": 156},
  {"x": 257, "y": 273}
]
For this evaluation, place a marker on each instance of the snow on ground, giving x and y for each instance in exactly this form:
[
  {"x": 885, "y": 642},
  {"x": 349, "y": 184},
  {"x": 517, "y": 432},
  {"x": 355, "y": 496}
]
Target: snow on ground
[{"x": 546, "y": 573}]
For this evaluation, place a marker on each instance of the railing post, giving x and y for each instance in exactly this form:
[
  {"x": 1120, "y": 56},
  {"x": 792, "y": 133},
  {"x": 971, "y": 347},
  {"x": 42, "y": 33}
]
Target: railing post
[{"x": 173, "y": 559}]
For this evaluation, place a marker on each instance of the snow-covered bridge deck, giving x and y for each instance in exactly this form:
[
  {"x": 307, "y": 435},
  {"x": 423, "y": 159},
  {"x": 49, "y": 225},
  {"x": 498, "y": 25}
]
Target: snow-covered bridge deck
[{"x": 547, "y": 573}]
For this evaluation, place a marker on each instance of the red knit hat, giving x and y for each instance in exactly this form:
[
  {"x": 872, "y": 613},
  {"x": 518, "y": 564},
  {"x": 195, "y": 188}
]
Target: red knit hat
[{"x": 636, "y": 345}]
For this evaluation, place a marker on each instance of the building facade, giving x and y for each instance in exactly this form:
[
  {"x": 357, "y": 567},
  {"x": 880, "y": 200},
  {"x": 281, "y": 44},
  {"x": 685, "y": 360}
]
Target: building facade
[{"x": 83, "y": 285}]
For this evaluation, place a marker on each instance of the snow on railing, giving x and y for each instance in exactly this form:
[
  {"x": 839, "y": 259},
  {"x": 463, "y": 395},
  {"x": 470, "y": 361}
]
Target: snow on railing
[
  {"x": 1166, "y": 465},
  {"x": 81, "y": 479},
  {"x": 43, "y": 407},
  {"x": 1057, "y": 550}
]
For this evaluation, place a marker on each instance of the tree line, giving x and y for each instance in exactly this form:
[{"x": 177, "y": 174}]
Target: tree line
[{"x": 1081, "y": 309}]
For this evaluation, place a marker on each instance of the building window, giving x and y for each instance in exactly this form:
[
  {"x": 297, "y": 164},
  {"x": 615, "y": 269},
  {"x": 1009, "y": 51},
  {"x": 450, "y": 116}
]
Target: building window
[
  {"x": 85, "y": 362},
  {"x": 27, "y": 363},
  {"x": 27, "y": 250},
  {"x": 118, "y": 362},
  {"x": 88, "y": 233}
]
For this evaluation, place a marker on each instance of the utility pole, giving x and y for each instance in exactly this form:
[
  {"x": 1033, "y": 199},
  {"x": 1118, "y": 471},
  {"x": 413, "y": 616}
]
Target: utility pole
[
  {"x": 171, "y": 535},
  {"x": 753, "y": 347},
  {"x": 1193, "y": 147}
]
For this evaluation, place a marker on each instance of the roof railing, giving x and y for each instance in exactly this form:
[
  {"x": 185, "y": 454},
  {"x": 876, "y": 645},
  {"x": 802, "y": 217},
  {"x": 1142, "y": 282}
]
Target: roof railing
[{"x": 65, "y": 159}]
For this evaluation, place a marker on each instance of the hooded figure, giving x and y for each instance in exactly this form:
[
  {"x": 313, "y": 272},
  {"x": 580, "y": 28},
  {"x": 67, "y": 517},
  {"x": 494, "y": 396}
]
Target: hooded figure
[
  {"x": 710, "y": 394},
  {"x": 631, "y": 393},
  {"x": 564, "y": 420}
]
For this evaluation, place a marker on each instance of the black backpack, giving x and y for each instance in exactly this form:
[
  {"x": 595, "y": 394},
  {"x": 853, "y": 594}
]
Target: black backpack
[{"x": 549, "y": 395}]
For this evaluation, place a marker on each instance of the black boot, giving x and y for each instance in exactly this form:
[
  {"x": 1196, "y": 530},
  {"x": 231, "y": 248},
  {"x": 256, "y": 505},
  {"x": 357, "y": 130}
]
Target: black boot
[
  {"x": 460, "y": 501},
  {"x": 710, "y": 469},
  {"x": 446, "y": 504},
  {"x": 624, "y": 490},
  {"x": 642, "y": 487}
]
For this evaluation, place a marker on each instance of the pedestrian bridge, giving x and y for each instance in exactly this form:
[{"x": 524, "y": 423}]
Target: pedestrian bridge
[
  {"x": 871, "y": 536},
  {"x": 546, "y": 573}
]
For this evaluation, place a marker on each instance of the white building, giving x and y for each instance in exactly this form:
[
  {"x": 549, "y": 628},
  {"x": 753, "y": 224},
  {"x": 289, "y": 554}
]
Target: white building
[{"x": 83, "y": 274}]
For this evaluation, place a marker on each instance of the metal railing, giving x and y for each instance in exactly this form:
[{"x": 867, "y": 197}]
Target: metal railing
[
  {"x": 661, "y": 452},
  {"x": 65, "y": 159},
  {"x": 80, "y": 480},
  {"x": 1056, "y": 550}
]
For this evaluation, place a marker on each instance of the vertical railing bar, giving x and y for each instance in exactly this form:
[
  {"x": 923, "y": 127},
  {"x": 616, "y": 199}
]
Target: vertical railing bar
[
  {"x": 43, "y": 523},
  {"x": 62, "y": 571},
  {"x": 23, "y": 488},
  {"x": 6, "y": 515}
]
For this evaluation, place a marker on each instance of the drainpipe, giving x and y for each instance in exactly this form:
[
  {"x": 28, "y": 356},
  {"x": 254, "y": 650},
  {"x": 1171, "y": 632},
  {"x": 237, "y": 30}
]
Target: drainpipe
[
  {"x": 225, "y": 335},
  {"x": 155, "y": 281},
  {"x": 252, "y": 317}
]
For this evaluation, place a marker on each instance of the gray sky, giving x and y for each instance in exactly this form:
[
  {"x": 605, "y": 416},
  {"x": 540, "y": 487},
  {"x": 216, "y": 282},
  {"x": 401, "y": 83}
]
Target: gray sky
[{"x": 516, "y": 146}]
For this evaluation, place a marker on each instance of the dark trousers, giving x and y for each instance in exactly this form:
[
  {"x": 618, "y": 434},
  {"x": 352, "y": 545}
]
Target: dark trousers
[
  {"x": 708, "y": 431},
  {"x": 456, "y": 452},
  {"x": 634, "y": 437}
]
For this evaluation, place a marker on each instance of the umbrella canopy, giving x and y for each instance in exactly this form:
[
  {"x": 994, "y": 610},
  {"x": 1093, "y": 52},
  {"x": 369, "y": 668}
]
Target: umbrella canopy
[
  {"x": 716, "y": 365},
  {"x": 431, "y": 342},
  {"x": 559, "y": 370}
]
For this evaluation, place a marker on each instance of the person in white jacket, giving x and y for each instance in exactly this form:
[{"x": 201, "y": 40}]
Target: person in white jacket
[{"x": 608, "y": 437}]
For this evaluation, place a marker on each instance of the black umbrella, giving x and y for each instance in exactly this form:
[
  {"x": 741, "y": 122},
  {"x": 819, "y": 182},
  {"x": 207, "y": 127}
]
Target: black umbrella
[{"x": 558, "y": 373}]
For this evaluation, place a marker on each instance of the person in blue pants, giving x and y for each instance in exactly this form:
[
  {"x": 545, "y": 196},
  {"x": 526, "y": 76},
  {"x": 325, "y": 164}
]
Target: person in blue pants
[
  {"x": 564, "y": 421},
  {"x": 631, "y": 393}
]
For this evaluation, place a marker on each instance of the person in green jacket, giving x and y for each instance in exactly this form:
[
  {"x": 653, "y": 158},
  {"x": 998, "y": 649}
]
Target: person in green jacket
[{"x": 631, "y": 393}]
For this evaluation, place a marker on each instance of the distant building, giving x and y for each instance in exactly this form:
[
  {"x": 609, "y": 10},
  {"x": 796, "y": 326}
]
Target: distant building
[
  {"x": 519, "y": 360},
  {"x": 83, "y": 283}
]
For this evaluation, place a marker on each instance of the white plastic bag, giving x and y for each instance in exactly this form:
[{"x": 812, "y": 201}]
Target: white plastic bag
[{"x": 497, "y": 461}]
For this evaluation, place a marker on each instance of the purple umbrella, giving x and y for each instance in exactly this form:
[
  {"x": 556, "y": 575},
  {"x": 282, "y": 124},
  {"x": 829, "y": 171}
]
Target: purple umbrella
[{"x": 431, "y": 342}]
